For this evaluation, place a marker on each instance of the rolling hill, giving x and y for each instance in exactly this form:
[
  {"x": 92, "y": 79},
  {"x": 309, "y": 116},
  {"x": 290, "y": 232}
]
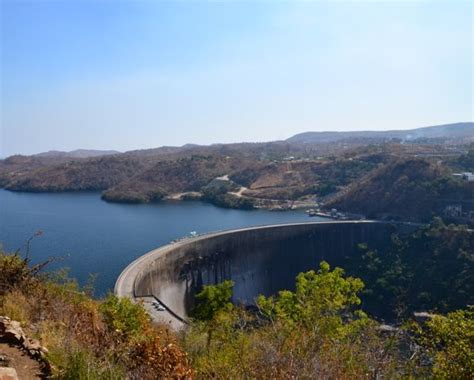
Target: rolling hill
[{"x": 457, "y": 131}]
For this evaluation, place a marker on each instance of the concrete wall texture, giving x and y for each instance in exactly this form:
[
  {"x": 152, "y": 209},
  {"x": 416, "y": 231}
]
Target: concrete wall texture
[{"x": 260, "y": 260}]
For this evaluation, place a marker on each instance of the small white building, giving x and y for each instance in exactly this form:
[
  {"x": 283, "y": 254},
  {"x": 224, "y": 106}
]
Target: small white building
[
  {"x": 467, "y": 176},
  {"x": 453, "y": 211}
]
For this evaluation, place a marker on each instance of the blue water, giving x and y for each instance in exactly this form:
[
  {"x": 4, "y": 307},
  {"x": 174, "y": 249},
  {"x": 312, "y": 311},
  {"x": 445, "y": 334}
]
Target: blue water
[{"x": 91, "y": 236}]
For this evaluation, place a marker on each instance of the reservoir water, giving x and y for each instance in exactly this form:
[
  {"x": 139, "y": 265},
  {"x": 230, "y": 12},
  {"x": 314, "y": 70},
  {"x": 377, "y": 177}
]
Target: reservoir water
[{"x": 90, "y": 236}]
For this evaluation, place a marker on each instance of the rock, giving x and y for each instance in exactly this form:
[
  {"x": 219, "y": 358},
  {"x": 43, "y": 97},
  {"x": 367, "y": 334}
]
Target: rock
[
  {"x": 15, "y": 325},
  {"x": 13, "y": 336},
  {"x": 12, "y": 332},
  {"x": 4, "y": 361},
  {"x": 422, "y": 316},
  {"x": 33, "y": 347},
  {"x": 32, "y": 344},
  {"x": 7, "y": 373},
  {"x": 387, "y": 329}
]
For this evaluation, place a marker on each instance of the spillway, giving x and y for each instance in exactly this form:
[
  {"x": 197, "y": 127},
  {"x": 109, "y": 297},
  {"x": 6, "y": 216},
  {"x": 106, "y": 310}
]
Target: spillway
[{"x": 260, "y": 260}]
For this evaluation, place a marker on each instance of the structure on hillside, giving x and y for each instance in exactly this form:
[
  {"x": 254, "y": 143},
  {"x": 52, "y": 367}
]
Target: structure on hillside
[
  {"x": 260, "y": 260},
  {"x": 467, "y": 176}
]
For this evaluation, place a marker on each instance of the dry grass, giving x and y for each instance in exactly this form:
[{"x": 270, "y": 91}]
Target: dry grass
[{"x": 87, "y": 338}]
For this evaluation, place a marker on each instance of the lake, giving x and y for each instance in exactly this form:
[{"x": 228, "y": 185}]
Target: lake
[{"x": 91, "y": 236}]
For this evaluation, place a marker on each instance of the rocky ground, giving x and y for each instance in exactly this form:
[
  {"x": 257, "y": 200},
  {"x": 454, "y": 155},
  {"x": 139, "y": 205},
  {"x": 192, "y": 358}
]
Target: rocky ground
[
  {"x": 20, "y": 357},
  {"x": 16, "y": 364}
]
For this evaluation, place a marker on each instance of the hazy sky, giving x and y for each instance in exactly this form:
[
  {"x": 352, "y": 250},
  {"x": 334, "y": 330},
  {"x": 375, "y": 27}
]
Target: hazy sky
[{"x": 138, "y": 74}]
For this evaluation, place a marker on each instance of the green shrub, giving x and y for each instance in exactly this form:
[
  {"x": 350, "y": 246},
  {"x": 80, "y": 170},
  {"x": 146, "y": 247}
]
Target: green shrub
[
  {"x": 212, "y": 300},
  {"x": 450, "y": 343},
  {"x": 82, "y": 365},
  {"x": 314, "y": 332},
  {"x": 323, "y": 296},
  {"x": 123, "y": 316}
]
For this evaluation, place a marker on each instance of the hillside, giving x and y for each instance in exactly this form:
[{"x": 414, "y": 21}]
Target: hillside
[
  {"x": 458, "y": 131},
  {"x": 276, "y": 175},
  {"x": 78, "y": 153},
  {"x": 349, "y": 182},
  {"x": 291, "y": 180},
  {"x": 142, "y": 176},
  {"x": 88, "y": 174},
  {"x": 168, "y": 177},
  {"x": 410, "y": 189}
]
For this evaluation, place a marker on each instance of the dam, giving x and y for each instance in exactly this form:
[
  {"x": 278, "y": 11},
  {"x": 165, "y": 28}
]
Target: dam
[{"x": 260, "y": 260}]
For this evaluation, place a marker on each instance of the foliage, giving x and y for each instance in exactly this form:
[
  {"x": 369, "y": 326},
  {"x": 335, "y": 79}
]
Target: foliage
[
  {"x": 326, "y": 189},
  {"x": 219, "y": 192},
  {"x": 410, "y": 188},
  {"x": 318, "y": 331},
  {"x": 72, "y": 175},
  {"x": 164, "y": 177},
  {"x": 320, "y": 297},
  {"x": 213, "y": 299},
  {"x": 432, "y": 269},
  {"x": 82, "y": 365},
  {"x": 466, "y": 161},
  {"x": 16, "y": 270},
  {"x": 123, "y": 316},
  {"x": 231, "y": 201},
  {"x": 449, "y": 341},
  {"x": 87, "y": 338},
  {"x": 314, "y": 332}
]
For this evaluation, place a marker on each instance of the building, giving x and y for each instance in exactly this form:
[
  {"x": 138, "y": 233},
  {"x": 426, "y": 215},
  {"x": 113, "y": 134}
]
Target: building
[
  {"x": 453, "y": 211},
  {"x": 467, "y": 176}
]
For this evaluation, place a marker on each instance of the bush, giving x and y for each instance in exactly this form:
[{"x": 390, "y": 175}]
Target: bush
[
  {"x": 87, "y": 338},
  {"x": 82, "y": 365},
  {"x": 315, "y": 332},
  {"x": 431, "y": 269},
  {"x": 449, "y": 341},
  {"x": 212, "y": 300},
  {"x": 323, "y": 296},
  {"x": 123, "y": 316}
]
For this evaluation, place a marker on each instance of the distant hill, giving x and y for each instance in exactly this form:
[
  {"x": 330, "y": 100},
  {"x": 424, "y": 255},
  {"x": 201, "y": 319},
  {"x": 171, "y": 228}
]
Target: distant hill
[
  {"x": 463, "y": 131},
  {"x": 345, "y": 170},
  {"x": 78, "y": 153}
]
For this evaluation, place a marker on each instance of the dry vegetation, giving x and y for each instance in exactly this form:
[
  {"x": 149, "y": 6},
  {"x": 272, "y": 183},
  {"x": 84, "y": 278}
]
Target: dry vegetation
[
  {"x": 87, "y": 338},
  {"x": 317, "y": 331},
  {"x": 408, "y": 181},
  {"x": 409, "y": 189}
]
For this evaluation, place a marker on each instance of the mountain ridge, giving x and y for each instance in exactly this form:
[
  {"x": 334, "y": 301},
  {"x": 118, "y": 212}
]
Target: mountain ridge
[
  {"x": 460, "y": 130},
  {"x": 77, "y": 153},
  {"x": 447, "y": 131}
]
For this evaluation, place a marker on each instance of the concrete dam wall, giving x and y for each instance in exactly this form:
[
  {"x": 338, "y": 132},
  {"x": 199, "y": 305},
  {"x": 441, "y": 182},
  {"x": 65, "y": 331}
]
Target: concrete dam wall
[{"x": 260, "y": 260}]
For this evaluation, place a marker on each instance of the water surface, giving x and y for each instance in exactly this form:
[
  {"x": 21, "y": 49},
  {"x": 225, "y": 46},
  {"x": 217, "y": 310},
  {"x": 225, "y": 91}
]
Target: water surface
[{"x": 93, "y": 236}]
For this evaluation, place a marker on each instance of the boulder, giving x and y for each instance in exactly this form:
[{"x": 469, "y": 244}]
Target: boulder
[
  {"x": 12, "y": 332},
  {"x": 7, "y": 373}
]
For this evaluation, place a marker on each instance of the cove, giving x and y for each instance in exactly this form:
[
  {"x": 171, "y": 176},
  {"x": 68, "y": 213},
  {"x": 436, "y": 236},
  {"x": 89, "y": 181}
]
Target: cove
[{"x": 90, "y": 236}]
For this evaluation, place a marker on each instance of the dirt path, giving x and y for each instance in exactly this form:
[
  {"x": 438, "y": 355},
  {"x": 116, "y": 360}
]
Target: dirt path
[
  {"x": 239, "y": 193},
  {"x": 26, "y": 367}
]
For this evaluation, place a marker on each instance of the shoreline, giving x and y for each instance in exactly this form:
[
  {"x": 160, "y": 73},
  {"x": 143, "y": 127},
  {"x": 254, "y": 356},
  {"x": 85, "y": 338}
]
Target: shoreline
[{"x": 259, "y": 203}]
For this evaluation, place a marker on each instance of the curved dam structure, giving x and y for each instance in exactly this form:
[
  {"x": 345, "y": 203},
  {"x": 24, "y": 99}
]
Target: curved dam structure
[{"x": 260, "y": 260}]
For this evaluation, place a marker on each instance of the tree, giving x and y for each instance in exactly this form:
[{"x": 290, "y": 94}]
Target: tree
[
  {"x": 213, "y": 306},
  {"x": 431, "y": 269},
  {"x": 213, "y": 299},
  {"x": 321, "y": 300},
  {"x": 450, "y": 340}
]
